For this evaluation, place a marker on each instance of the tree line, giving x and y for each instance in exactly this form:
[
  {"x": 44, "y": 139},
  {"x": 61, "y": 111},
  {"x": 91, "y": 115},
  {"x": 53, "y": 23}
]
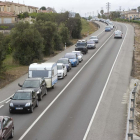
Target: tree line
[{"x": 31, "y": 42}]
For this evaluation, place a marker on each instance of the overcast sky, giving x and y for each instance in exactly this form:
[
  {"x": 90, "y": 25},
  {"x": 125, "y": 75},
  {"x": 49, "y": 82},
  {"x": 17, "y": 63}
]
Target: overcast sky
[{"x": 82, "y": 6}]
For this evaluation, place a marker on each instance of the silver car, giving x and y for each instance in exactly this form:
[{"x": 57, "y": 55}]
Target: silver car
[
  {"x": 94, "y": 38},
  {"x": 118, "y": 34},
  {"x": 80, "y": 55}
]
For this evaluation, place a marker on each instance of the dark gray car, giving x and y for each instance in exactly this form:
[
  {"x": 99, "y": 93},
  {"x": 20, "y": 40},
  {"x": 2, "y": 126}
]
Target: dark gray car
[
  {"x": 37, "y": 84},
  {"x": 23, "y": 100}
]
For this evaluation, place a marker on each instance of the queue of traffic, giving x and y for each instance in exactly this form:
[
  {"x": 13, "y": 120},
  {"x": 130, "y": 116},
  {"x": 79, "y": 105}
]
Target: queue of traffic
[{"x": 42, "y": 77}]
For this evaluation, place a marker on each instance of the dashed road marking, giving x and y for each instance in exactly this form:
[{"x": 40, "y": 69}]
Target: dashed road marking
[
  {"x": 125, "y": 97},
  {"x": 8, "y": 101},
  {"x": 1, "y": 106}
]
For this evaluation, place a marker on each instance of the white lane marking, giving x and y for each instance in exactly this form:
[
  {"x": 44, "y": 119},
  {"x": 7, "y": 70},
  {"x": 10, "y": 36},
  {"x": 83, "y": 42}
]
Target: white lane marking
[
  {"x": 25, "y": 133},
  {"x": 1, "y": 106},
  {"x": 13, "y": 94},
  {"x": 8, "y": 101},
  {"x": 125, "y": 98},
  {"x": 92, "y": 119}
]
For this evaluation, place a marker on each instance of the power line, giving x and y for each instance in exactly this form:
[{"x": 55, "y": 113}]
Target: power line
[{"x": 108, "y": 6}]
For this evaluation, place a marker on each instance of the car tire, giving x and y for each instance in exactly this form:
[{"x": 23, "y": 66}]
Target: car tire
[
  {"x": 68, "y": 69},
  {"x": 63, "y": 76},
  {"x": 37, "y": 103},
  {"x": 40, "y": 97},
  {"x": 10, "y": 111},
  {"x": 46, "y": 92},
  {"x": 12, "y": 133},
  {"x": 53, "y": 87},
  {"x": 31, "y": 109}
]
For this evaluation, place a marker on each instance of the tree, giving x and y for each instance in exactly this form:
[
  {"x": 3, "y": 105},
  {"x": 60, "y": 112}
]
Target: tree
[
  {"x": 27, "y": 43},
  {"x": 43, "y": 8},
  {"x": 99, "y": 16},
  {"x": 102, "y": 12},
  {"x": 47, "y": 29},
  {"x": 2, "y": 53}
]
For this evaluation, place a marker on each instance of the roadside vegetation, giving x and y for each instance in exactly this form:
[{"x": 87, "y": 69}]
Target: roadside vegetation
[{"x": 37, "y": 42}]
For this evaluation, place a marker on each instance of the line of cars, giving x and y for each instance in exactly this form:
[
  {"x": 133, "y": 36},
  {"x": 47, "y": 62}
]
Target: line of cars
[
  {"x": 110, "y": 26},
  {"x": 42, "y": 77}
]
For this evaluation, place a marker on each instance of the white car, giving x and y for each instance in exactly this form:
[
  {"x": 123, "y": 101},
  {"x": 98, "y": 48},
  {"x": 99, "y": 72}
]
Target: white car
[
  {"x": 79, "y": 54},
  {"x": 118, "y": 34},
  {"x": 94, "y": 38},
  {"x": 61, "y": 70},
  {"x": 111, "y": 26}
]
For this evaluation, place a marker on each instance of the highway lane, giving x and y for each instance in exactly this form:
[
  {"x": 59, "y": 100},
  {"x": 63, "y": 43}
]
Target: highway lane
[{"x": 22, "y": 122}]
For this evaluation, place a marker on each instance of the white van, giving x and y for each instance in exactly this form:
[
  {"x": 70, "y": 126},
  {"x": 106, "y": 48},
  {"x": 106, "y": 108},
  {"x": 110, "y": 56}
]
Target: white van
[{"x": 48, "y": 71}]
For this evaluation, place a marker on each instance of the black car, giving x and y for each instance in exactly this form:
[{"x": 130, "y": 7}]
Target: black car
[
  {"x": 38, "y": 84},
  {"x": 66, "y": 62},
  {"x": 23, "y": 100},
  {"x": 81, "y": 46}
]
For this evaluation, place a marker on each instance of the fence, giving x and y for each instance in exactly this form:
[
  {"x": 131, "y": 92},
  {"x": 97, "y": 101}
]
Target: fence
[{"x": 130, "y": 117}]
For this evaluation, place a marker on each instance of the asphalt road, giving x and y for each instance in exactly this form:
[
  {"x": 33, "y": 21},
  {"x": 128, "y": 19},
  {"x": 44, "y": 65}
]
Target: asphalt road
[{"x": 68, "y": 117}]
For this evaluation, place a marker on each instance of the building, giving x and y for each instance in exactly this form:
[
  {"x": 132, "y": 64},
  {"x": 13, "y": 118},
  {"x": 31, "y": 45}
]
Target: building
[
  {"x": 131, "y": 14},
  {"x": 10, "y": 10},
  {"x": 48, "y": 10}
]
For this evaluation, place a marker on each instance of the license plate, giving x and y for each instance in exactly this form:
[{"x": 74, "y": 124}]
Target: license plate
[{"x": 19, "y": 108}]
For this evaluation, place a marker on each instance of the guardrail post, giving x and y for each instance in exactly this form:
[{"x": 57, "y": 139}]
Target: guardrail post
[
  {"x": 132, "y": 122},
  {"x": 133, "y": 101},
  {"x": 130, "y": 135},
  {"x": 132, "y": 110}
]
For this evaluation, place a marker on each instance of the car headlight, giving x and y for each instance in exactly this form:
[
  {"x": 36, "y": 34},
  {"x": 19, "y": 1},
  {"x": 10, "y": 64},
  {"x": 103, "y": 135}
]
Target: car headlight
[
  {"x": 11, "y": 104},
  {"x": 38, "y": 92},
  {"x": 27, "y": 104}
]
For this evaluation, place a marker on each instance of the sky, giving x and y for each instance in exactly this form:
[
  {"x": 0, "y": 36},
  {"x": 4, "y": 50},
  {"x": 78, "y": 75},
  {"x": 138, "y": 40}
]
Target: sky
[{"x": 84, "y": 7}]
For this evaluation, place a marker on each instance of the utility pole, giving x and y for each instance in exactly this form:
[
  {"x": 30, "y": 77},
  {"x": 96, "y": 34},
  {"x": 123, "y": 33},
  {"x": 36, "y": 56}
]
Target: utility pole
[
  {"x": 108, "y": 7},
  {"x": 120, "y": 8}
]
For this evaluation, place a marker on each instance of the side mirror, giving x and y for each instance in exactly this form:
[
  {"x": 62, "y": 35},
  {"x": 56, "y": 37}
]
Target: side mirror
[
  {"x": 75, "y": 45},
  {"x": 19, "y": 85},
  {"x": 11, "y": 98}
]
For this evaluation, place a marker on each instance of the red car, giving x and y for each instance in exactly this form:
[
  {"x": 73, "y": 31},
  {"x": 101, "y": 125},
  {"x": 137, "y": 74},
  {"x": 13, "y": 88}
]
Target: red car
[{"x": 6, "y": 128}]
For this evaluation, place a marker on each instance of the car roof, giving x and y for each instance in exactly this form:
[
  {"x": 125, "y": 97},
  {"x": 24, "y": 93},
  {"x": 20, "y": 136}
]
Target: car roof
[
  {"x": 76, "y": 51},
  {"x": 71, "y": 53},
  {"x": 37, "y": 78},
  {"x": 90, "y": 41},
  {"x": 93, "y": 36},
  {"x": 60, "y": 64},
  {"x": 64, "y": 58}
]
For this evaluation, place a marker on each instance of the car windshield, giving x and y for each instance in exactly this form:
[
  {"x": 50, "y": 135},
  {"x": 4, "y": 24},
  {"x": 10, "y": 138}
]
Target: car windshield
[
  {"x": 31, "y": 84},
  {"x": 81, "y": 44},
  {"x": 62, "y": 61},
  {"x": 90, "y": 42},
  {"x": 93, "y": 37},
  {"x": 59, "y": 67},
  {"x": 70, "y": 56},
  {"x": 107, "y": 27},
  {"x": 22, "y": 96}
]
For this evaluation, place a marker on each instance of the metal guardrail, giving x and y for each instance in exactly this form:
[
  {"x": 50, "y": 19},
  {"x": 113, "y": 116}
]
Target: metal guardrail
[{"x": 130, "y": 117}]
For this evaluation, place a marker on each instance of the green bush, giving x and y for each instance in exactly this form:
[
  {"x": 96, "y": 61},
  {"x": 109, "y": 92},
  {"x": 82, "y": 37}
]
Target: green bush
[{"x": 27, "y": 43}]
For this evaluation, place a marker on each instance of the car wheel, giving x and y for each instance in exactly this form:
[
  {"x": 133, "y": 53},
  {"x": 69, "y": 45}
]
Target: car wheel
[
  {"x": 53, "y": 87},
  {"x": 68, "y": 69},
  {"x": 63, "y": 76},
  {"x": 12, "y": 133},
  {"x": 10, "y": 111},
  {"x": 37, "y": 103},
  {"x": 31, "y": 109},
  {"x": 46, "y": 92},
  {"x": 40, "y": 97}
]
